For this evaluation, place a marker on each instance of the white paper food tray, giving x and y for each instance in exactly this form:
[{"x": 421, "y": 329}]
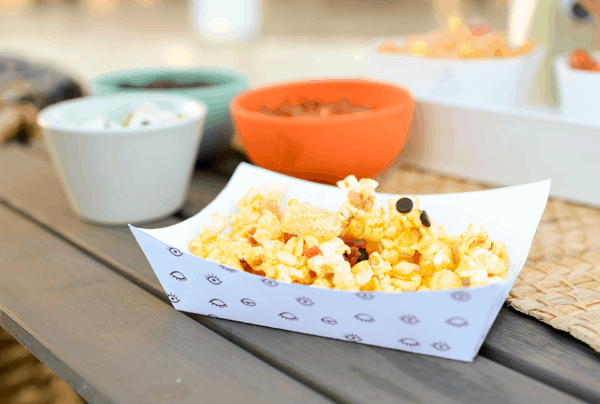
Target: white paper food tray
[
  {"x": 450, "y": 324},
  {"x": 506, "y": 146}
]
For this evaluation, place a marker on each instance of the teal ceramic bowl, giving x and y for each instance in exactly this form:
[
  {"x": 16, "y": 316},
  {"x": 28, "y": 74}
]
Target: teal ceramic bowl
[{"x": 213, "y": 86}]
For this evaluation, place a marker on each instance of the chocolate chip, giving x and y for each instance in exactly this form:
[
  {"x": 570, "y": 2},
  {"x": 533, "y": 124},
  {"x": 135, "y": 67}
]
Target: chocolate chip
[
  {"x": 404, "y": 205},
  {"x": 364, "y": 255},
  {"x": 425, "y": 219}
]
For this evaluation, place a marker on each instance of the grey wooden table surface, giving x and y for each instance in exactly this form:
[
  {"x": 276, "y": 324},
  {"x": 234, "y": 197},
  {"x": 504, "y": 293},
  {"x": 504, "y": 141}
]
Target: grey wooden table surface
[{"x": 85, "y": 301}]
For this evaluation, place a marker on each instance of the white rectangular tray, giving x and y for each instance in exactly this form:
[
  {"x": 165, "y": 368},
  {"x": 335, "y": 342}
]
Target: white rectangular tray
[{"x": 506, "y": 146}]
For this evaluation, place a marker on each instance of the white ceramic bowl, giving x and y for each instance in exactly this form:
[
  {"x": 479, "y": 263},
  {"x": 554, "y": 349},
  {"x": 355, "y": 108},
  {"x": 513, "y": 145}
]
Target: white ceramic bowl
[
  {"x": 491, "y": 81},
  {"x": 125, "y": 175},
  {"x": 419, "y": 74},
  {"x": 499, "y": 81},
  {"x": 576, "y": 91}
]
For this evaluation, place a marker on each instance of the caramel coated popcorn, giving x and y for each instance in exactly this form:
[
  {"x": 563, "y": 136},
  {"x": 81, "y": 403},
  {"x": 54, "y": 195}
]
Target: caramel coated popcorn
[{"x": 361, "y": 247}]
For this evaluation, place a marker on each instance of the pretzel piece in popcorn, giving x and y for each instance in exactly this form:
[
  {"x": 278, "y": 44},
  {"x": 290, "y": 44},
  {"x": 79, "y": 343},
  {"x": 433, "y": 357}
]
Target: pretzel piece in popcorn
[{"x": 305, "y": 219}]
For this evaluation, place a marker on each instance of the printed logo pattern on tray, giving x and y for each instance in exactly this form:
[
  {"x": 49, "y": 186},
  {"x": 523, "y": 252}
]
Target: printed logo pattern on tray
[{"x": 312, "y": 309}]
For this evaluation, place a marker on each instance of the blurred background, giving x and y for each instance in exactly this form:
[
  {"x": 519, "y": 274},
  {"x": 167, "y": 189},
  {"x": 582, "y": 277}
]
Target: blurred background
[{"x": 293, "y": 38}]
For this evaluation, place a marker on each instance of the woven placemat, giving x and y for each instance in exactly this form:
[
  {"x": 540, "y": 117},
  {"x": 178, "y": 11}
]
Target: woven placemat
[{"x": 560, "y": 284}]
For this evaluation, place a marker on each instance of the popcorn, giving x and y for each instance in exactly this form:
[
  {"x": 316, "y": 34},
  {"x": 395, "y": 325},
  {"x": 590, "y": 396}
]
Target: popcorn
[
  {"x": 410, "y": 282},
  {"x": 361, "y": 247},
  {"x": 267, "y": 228},
  {"x": 362, "y": 272},
  {"x": 434, "y": 254},
  {"x": 250, "y": 208},
  {"x": 332, "y": 261},
  {"x": 445, "y": 279},
  {"x": 364, "y": 214}
]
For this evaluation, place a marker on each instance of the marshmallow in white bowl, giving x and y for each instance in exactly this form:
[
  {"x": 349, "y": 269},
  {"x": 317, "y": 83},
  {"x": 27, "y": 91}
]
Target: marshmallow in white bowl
[{"x": 148, "y": 114}]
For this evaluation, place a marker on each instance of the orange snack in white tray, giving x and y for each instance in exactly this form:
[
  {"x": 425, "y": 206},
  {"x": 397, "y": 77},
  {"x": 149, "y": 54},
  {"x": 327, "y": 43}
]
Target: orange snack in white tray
[
  {"x": 359, "y": 247},
  {"x": 456, "y": 41}
]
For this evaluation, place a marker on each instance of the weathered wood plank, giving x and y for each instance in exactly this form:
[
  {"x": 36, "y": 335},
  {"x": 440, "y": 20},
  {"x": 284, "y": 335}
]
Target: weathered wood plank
[
  {"x": 114, "y": 342},
  {"x": 351, "y": 372},
  {"x": 523, "y": 343},
  {"x": 29, "y": 183}
]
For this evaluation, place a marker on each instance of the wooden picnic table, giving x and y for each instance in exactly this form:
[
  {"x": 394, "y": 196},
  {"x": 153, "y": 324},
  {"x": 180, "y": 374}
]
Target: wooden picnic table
[{"x": 84, "y": 300}]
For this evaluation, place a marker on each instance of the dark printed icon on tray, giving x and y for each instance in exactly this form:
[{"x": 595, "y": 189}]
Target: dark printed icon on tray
[
  {"x": 441, "y": 346},
  {"x": 457, "y": 322},
  {"x": 409, "y": 342},
  {"x": 305, "y": 301},
  {"x": 227, "y": 269},
  {"x": 460, "y": 296},
  {"x": 173, "y": 298},
  {"x": 179, "y": 276},
  {"x": 248, "y": 302},
  {"x": 353, "y": 337},
  {"x": 213, "y": 279},
  {"x": 288, "y": 316},
  {"x": 269, "y": 282},
  {"x": 329, "y": 321},
  {"x": 365, "y": 295},
  {"x": 175, "y": 251},
  {"x": 365, "y": 318},
  {"x": 409, "y": 319},
  {"x": 218, "y": 302}
]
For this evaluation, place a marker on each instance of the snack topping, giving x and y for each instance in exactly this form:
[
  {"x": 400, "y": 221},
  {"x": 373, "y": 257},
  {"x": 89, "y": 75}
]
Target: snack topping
[
  {"x": 312, "y": 108},
  {"x": 404, "y": 205},
  {"x": 146, "y": 114},
  {"x": 360, "y": 247},
  {"x": 425, "y": 219},
  {"x": 580, "y": 60},
  {"x": 457, "y": 41}
]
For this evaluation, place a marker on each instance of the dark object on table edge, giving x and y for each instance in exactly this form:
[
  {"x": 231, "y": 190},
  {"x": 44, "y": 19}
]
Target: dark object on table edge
[{"x": 25, "y": 86}]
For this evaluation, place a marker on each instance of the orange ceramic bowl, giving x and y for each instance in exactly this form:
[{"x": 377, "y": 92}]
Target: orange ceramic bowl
[{"x": 324, "y": 149}]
